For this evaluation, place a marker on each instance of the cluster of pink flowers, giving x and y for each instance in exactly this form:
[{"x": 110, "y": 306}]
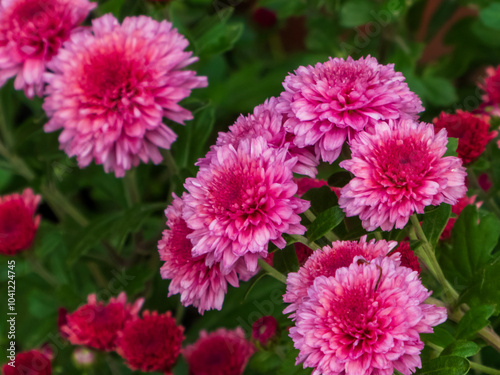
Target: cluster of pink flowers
[{"x": 32, "y": 362}]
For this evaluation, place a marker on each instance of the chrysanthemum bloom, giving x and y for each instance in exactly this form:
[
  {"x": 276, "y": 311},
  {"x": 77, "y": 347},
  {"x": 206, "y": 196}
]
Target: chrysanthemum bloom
[
  {"x": 31, "y": 33},
  {"x": 29, "y": 363},
  {"x": 327, "y": 102},
  {"x": 399, "y": 169},
  {"x": 152, "y": 343},
  {"x": 97, "y": 325},
  {"x": 265, "y": 329},
  {"x": 18, "y": 225},
  {"x": 303, "y": 252},
  {"x": 491, "y": 86},
  {"x": 325, "y": 262},
  {"x": 223, "y": 352},
  {"x": 471, "y": 130},
  {"x": 240, "y": 202},
  {"x": 110, "y": 89},
  {"x": 365, "y": 320},
  {"x": 265, "y": 121},
  {"x": 457, "y": 209},
  {"x": 198, "y": 285},
  {"x": 408, "y": 257}
]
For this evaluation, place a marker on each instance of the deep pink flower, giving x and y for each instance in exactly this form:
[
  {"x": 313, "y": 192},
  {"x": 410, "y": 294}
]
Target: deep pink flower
[
  {"x": 471, "y": 130},
  {"x": 240, "y": 202},
  {"x": 484, "y": 180},
  {"x": 112, "y": 87},
  {"x": 399, "y": 169},
  {"x": 31, "y": 33},
  {"x": 265, "y": 121},
  {"x": 332, "y": 100},
  {"x": 265, "y": 329},
  {"x": 365, "y": 320},
  {"x": 223, "y": 352},
  {"x": 18, "y": 225},
  {"x": 97, "y": 325},
  {"x": 491, "y": 86},
  {"x": 303, "y": 252},
  {"x": 408, "y": 257},
  {"x": 198, "y": 285},
  {"x": 457, "y": 209},
  {"x": 152, "y": 343},
  {"x": 325, "y": 262},
  {"x": 32, "y": 362}
]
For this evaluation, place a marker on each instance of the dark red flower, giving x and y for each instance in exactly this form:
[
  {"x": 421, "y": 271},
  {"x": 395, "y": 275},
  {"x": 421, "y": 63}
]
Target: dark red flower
[
  {"x": 408, "y": 257},
  {"x": 491, "y": 86},
  {"x": 303, "y": 252},
  {"x": 29, "y": 363},
  {"x": 484, "y": 182},
  {"x": 152, "y": 343},
  {"x": 265, "y": 329},
  {"x": 264, "y": 17}
]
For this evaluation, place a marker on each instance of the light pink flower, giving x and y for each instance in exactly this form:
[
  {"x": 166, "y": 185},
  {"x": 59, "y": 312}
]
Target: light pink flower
[
  {"x": 365, "y": 320},
  {"x": 223, "y": 352},
  {"x": 198, "y": 285},
  {"x": 112, "y": 87},
  {"x": 31, "y": 33},
  {"x": 265, "y": 121},
  {"x": 240, "y": 202},
  {"x": 325, "y": 262},
  {"x": 399, "y": 169},
  {"x": 332, "y": 100}
]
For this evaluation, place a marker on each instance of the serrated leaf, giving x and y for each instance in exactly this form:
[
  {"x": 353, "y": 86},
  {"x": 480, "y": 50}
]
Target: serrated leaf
[
  {"x": 321, "y": 199},
  {"x": 451, "y": 147},
  {"x": 285, "y": 260},
  {"x": 461, "y": 348},
  {"x": 435, "y": 221},
  {"x": 325, "y": 222},
  {"x": 447, "y": 365},
  {"x": 474, "y": 320}
]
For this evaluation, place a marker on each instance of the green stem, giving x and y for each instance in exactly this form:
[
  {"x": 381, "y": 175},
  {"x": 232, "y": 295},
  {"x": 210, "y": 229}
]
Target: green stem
[
  {"x": 39, "y": 269},
  {"x": 310, "y": 216},
  {"x": 62, "y": 205},
  {"x": 131, "y": 188},
  {"x": 179, "y": 313},
  {"x": 488, "y": 201},
  {"x": 271, "y": 271},
  {"x": 484, "y": 369},
  {"x": 18, "y": 165},
  {"x": 305, "y": 241},
  {"x": 378, "y": 235},
  {"x": 4, "y": 130}
]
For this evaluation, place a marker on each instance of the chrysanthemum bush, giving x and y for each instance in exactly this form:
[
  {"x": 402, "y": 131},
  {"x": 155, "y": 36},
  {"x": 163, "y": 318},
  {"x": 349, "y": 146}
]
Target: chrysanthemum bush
[{"x": 228, "y": 188}]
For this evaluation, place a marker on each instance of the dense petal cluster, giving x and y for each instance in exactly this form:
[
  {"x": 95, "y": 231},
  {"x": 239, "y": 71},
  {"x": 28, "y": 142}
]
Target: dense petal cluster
[
  {"x": 471, "y": 130},
  {"x": 199, "y": 285},
  {"x": 18, "y": 225},
  {"x": 32, "y": 362},
  {"x": 31, "y": 33},
  {"x": 97, "y": 325},
  {"x": 223, "y": 352},
  {"x": 408, "y": 257},
  {"x": 365, "y": 320},
  {"x": 152, "y": 343},
  {"x": 326, "y": 103},
  {"x": 325, "y": 262},
  {"x": 399, "y": 170},
  {"x": 265, "y": 329},
  {"x": 111, "y": 88},
  {"x": 240, "y": 202}
]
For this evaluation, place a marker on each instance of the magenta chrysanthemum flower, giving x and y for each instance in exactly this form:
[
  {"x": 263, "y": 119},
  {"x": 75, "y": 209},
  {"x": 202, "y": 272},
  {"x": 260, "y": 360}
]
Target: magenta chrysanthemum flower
[
  {"x": 327, "y": 102},
  {"x": 365, "y": 320},
  {"x": 97, "y": 325},
  {"x": 152, "y": 343},
  {"x": 198, "y": 285},
  {"x": 240, "y": 202},
  {"x": 112, "y": 87},
  {"x": 31, "y": 33},
  {"x": 399, "y": 169},
  {"x": 18, "y": 225},
  {"x": 223, "y": 352},
  {"x": 32, "y": 362},
  {"x": 265, "y": 121},
  {"x": 408, "y": 257},
  {"x": 325, "y": 262},
  {"x": 491, "y": 86},
  {"x": 265, "y": 329}
]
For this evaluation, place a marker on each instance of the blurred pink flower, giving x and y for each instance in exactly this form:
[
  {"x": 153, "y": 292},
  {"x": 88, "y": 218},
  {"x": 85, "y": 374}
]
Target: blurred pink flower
[
  {"x": 491, "y": 86},
  {"x": 365, "y": 320},
  {"x": 31, "y": 33},
  {"x": 240, "y": 202},
  {"x": 112, "y": 87},
  {"x": 399, "y": 170},
  {"x": 326, "y": 103},
  {"x": 32, "y": 362},
  {"x": 265, "y": 329}
]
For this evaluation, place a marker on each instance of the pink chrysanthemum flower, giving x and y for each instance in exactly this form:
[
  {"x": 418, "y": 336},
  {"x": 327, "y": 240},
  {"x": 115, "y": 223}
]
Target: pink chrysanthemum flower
[
  {"x": 198, "y": 285},
  {"x": 112, "y": 87},
  {"x": 399, "y": 169},
  {"x": 152, "y": 343},
  {"x": 365, "y": 320},
  {"x": 240, "y": 202},
  {"x": 18, "y": 225},
  {"x": 97, "y": 325},
  {"x": 325, "y": 262},
  {"x": 32, "y": 362},
  {"x": 223, "y": 352},
  {"x": 332, "y": 100},
  {"x": 31, "y": 33},
  {"x": 471, "y": 130},
  {"x": 265, "y": 121},
  {"x": 457, "y": 209}
]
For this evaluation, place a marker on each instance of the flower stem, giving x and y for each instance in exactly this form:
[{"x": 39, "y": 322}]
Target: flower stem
[
  {"x": 39, "y": 269},
  {"x": 62, "y": 205},
  {"x": 131, "y": 188},
  {"x": 305, "y": 241},
  {"x": 484, "y": 369},
  {"x": 271, "y": 271}
]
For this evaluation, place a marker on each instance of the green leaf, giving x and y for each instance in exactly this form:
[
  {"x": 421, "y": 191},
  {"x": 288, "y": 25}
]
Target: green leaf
[
  {"x": 285, "y": 260},
  {"x": 485, "y": 288},
  {"x": 441, "y": 337},
  {"x": 435, "y": 221},
  {"x": 474, "y": 320},
  {"x": 447, "y": 365},
  {"x": 490, "y": 16},
  {"x": 356, "y": 12},
  {"x": 439, "y": 91},
  {"x": 321, "y": 199},
  {"x": 325, "y": 222},
  {"x": 461, "y": 348},
  {"x": 451, "y": 147}
]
